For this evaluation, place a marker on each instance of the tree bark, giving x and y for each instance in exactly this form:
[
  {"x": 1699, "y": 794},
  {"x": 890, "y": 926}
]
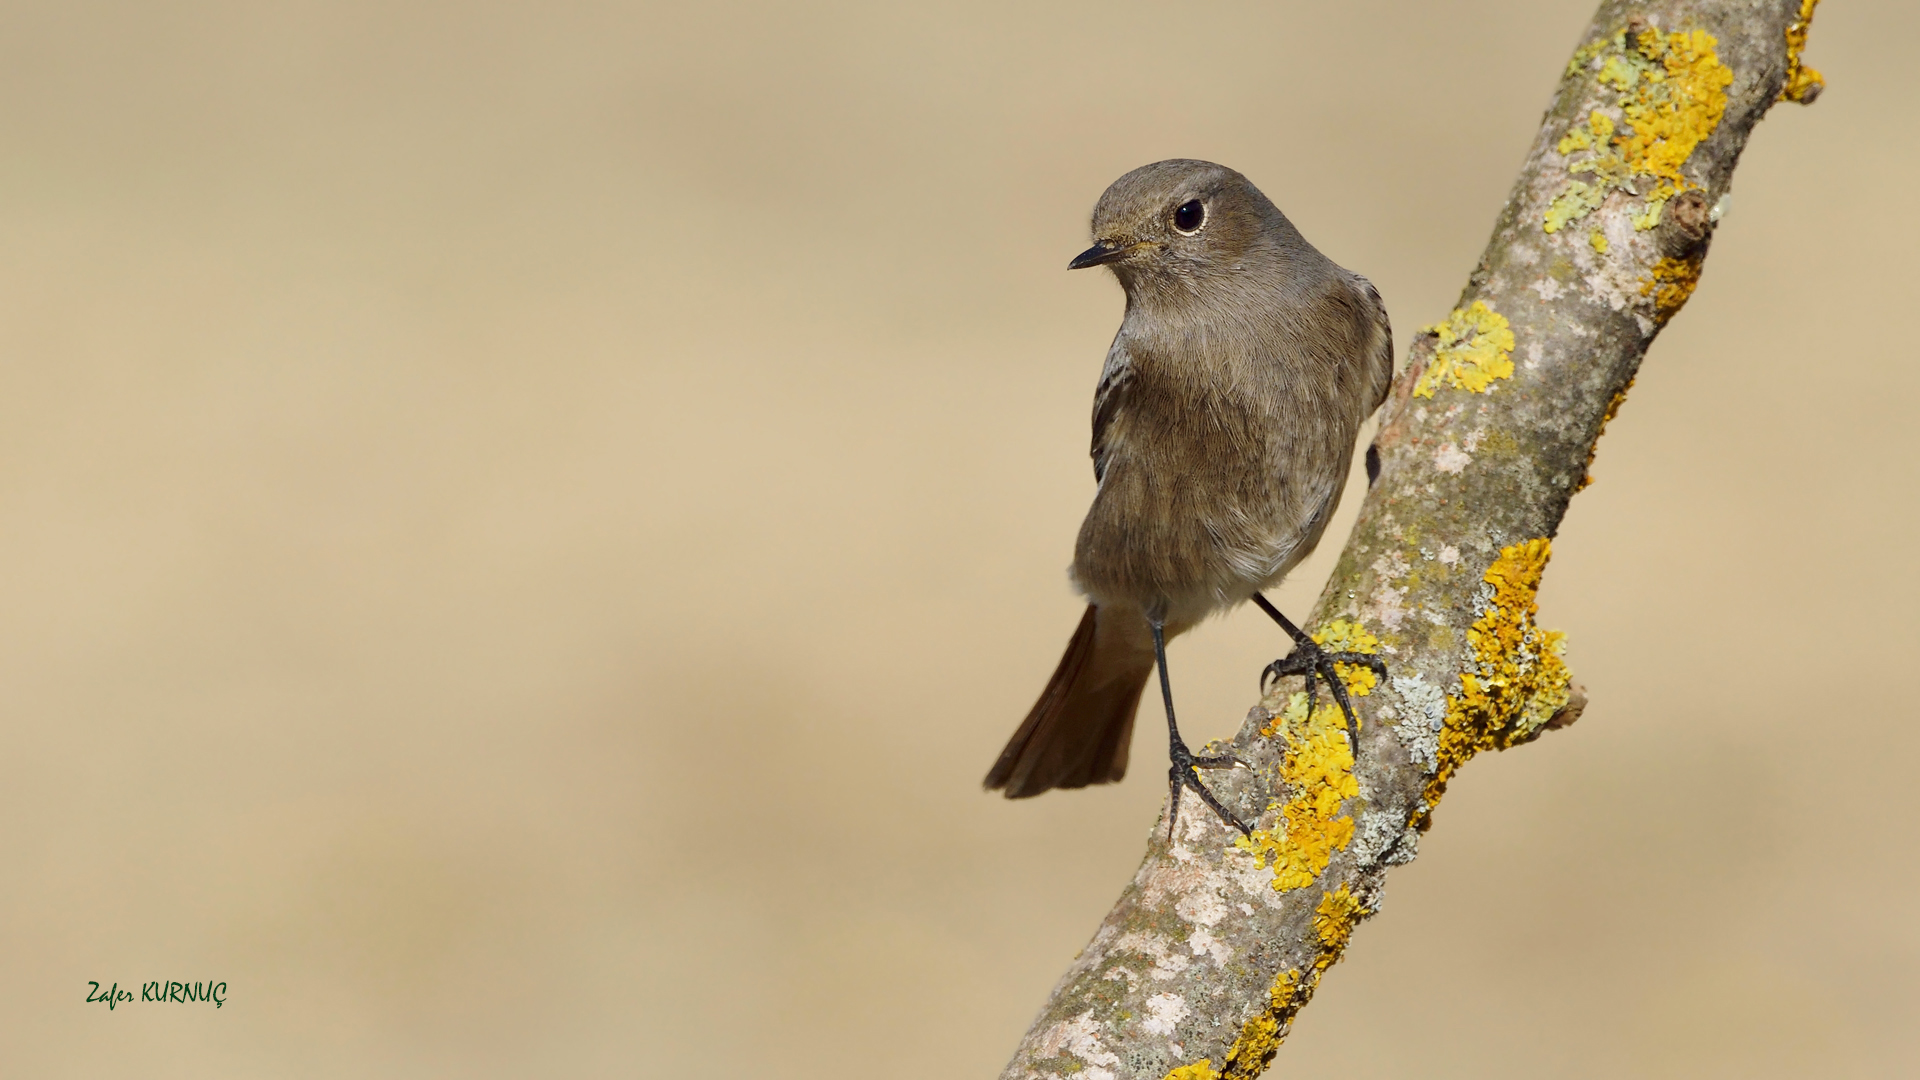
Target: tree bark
[{"x": 1218, "y": 941}]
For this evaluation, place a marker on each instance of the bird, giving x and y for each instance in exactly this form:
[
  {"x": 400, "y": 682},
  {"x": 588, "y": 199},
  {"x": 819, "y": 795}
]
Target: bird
[{"x": 1224, "y": 425}]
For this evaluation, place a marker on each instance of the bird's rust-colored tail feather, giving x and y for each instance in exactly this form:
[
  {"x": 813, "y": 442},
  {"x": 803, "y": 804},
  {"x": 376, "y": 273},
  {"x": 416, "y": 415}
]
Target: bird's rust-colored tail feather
[{"x": 1077, "y": 733}]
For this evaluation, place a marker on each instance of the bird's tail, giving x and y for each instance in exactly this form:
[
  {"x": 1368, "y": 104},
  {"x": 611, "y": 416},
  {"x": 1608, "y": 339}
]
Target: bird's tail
[{"x": 1078, "y": 731}]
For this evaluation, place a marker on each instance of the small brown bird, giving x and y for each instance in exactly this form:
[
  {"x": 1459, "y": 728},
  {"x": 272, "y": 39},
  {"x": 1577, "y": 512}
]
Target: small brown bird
[{"x": 1223, "y": 429}]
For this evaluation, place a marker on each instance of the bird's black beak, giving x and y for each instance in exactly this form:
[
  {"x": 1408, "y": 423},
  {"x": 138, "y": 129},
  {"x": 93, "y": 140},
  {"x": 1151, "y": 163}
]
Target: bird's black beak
[{"x": 1099, "y": 254}]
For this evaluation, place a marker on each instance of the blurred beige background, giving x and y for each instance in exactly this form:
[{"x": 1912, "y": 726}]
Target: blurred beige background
[{"x": 521, "y": 529}]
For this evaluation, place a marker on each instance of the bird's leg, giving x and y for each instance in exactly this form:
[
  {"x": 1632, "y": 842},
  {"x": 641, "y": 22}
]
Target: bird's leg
[
  {"x": 1181, "y": 774},
  {"x": 1310, "y": 660}
]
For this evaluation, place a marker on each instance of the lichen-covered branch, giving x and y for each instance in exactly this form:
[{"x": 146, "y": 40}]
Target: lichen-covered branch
[{"x": 1218, "y": 941}]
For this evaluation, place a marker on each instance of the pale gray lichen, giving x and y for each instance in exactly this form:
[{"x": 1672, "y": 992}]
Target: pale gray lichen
[
  {"x": 1375, "y": 835},
  {"x": 1419, "y": 730},
  {"x": 1406, "y": 850}
]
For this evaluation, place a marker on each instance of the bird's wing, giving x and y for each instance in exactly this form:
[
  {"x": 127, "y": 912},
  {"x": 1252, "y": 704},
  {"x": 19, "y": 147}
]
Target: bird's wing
[
  {"x": 1114, "y": 380},
  {"x": 1379, "y": 343}
]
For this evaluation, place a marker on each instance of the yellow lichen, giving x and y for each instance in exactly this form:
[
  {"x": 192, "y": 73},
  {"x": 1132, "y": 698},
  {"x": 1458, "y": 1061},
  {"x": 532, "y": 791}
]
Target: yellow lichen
[
  {"x": 1260, "y": 1037},
  {"x": 1803, "y": 83},
  {"x": 1599, "y": 130},
  {"x": 1576, "y": 200},
  {"x": 1670, "y": 90},
  {"x": 1516, "y": 680},
  {"x": 1672, "y": 282},
  {"x": 1334, "y": 921},
  {"x": 1341, "y": 635},
  {"x": 1317, "y": 769},
  {"x": 1613, "y": 407},
  {"x": 1599, "y": 241},
  {"x": 1475, "y": 348}
]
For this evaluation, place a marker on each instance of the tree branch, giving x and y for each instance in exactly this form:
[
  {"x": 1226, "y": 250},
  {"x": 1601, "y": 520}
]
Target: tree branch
[{"x": 1218, "y": 941}]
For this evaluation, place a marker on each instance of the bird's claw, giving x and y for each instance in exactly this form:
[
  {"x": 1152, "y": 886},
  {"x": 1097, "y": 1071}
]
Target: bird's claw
[
  {"x": 1315, "y": 663},
  {"x": 1302, "y": 660},
  {"x": 1181, "y": 775}
]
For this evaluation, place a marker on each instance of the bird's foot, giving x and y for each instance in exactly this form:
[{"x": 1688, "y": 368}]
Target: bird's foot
[
  {"x": 1314, "y": 662},
  {"x": 1182, "y": 775}
]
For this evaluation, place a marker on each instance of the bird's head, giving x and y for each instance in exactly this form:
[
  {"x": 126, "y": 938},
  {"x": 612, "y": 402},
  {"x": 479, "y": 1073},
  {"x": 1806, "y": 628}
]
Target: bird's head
[{"x": 1184, "y": 221}]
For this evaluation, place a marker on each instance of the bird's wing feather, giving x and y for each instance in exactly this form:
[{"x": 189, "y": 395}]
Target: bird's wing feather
[
  {"x": 1379, "y": 344},
  {"x": 1114, "y": 380}
]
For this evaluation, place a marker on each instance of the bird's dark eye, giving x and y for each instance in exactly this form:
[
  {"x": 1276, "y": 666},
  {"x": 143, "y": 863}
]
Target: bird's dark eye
[{"x": 1190, "y": 216}]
